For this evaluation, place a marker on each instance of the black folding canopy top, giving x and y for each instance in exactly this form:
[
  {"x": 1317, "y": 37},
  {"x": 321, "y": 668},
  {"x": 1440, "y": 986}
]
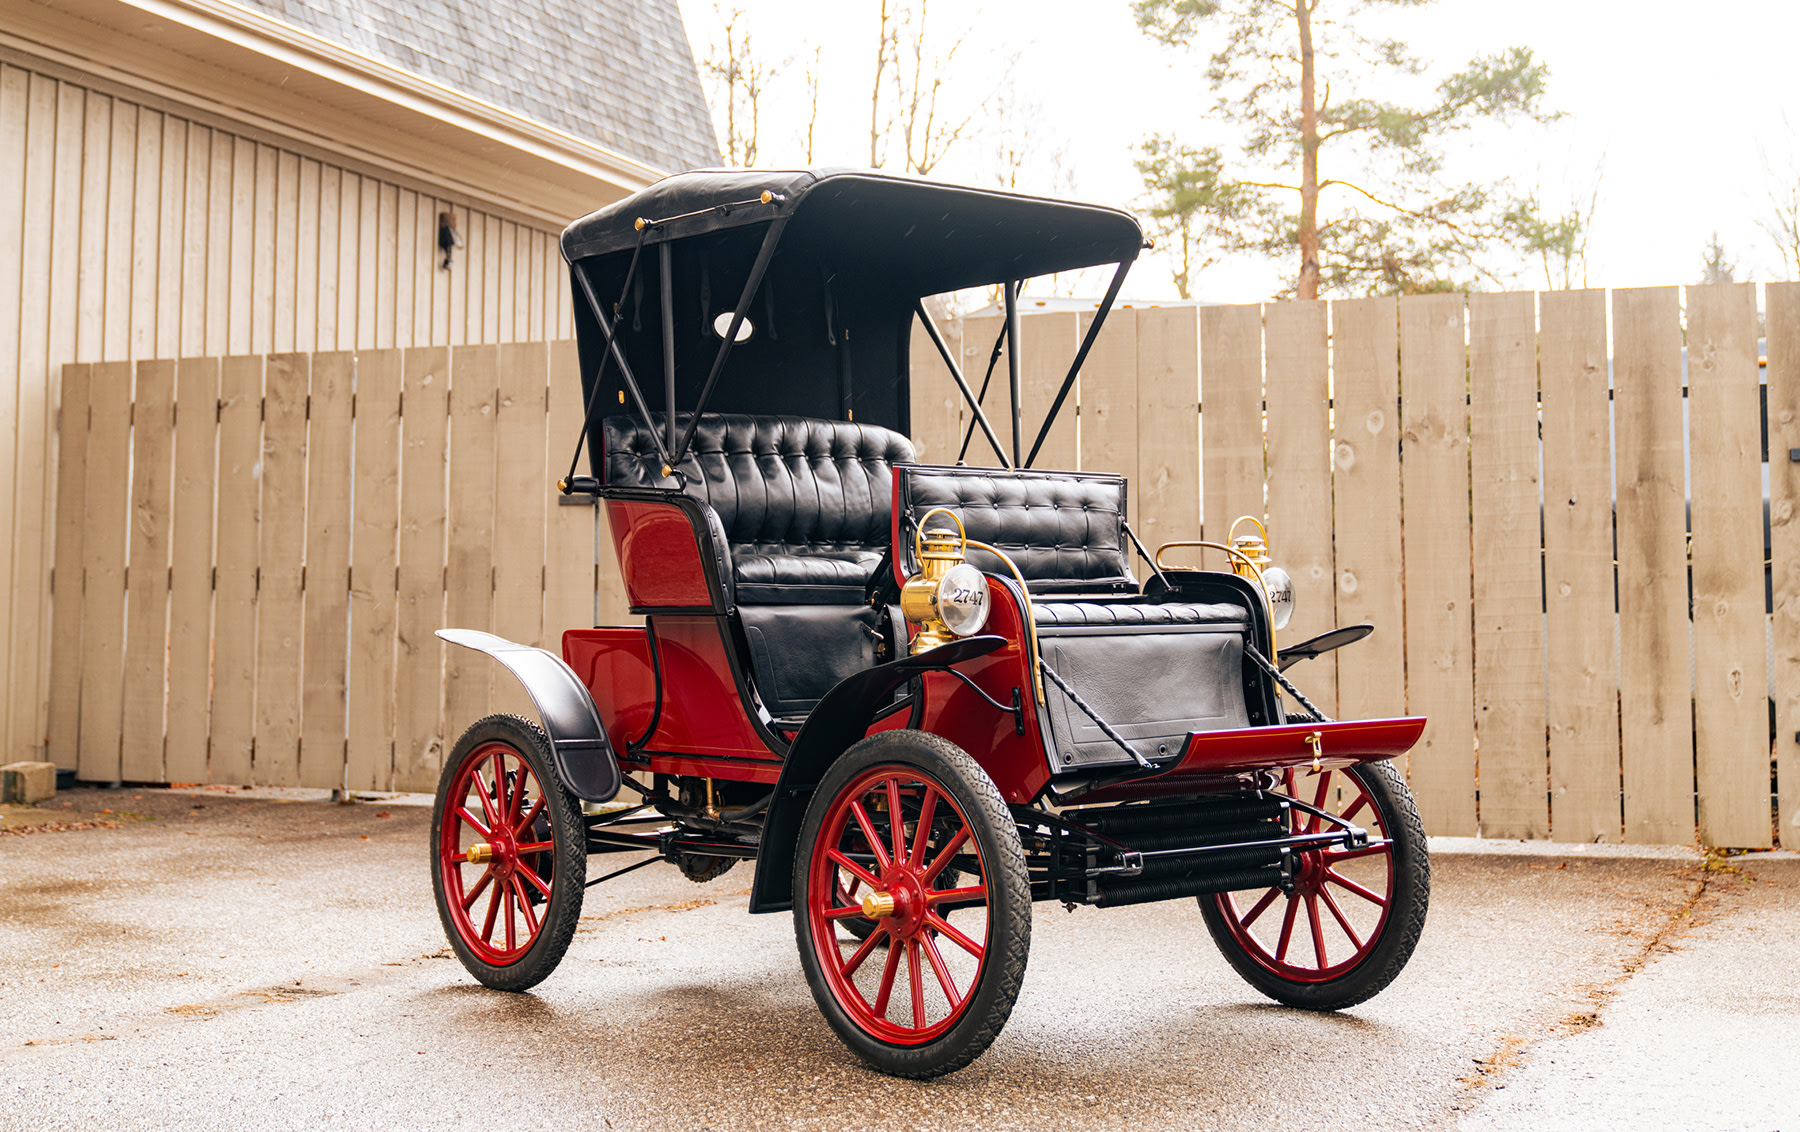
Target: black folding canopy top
[{"x": 825, "y": 269}]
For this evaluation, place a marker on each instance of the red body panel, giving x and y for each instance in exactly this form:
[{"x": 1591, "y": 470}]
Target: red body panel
[
  {"x": 614, "y": 663},
  {"x": 1212, "y": 755},
  {"x": 658, "y": 557},
  {"x": 1015, "y": 762}
]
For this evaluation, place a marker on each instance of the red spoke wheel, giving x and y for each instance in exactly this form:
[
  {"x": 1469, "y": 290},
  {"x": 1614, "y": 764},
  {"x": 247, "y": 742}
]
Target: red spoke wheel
[
  {"x": 508, "y": 854},
  {"x": 1354, "y": 915},
  {"x": 911, "y": 904}
]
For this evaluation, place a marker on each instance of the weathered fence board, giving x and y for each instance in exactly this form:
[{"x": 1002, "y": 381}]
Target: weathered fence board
[
  {"x": 1168, "y": 463},
  {"x": 1656, "y": 716},
  {"x": 468, "y": 578},
  {"x": 1731, "y": 716},
  {"x": 1582, "y": 662},
  {"x": 374, "y": 543},
  {"x": 234, "y": 588},
  {"x": 326, "y": 597},
  {"x": 190, "y": 573},
  {"x": 569, "y": 574},
  {"x": 106, "y": 504},
  {"x": 66, "y": 668},
  {"x": 520, "y": 495},
  {"x": 1231, "y": 422},
  {"x": 936, "y": 405},
  {"x": 1047, "y": 344},
  {"x": 1435, "y": 521},
  {"x": 1297, "y": 377},
  {"x": 1784, "y": 537},
  {"x": 419, "y": 655},
  {"x": 1512, "y": 760},
  {"x": 147, "y": 586},
  {"x": 1109, "y": 408},
  {"x": 1365, "y": 350},
  {"x": 986, "y": 372},
  {"x": 280, "y": 555}
]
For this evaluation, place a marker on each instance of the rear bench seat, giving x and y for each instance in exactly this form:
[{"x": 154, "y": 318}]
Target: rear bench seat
[{"x": 804, "y": 502}]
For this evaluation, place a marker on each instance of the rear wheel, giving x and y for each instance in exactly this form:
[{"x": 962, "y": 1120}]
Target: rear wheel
[
  {"x": 1354, "y": 916},
  {"x": 911, "y": 904},
  {"x": 508, "y": 854}
]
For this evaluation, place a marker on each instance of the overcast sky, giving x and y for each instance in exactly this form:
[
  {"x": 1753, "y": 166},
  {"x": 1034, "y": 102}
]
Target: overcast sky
[{"x": 1684, "y": 109}]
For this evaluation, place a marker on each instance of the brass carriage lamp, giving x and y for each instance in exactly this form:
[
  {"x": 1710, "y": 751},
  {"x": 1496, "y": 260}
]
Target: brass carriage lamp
[
  {"x": 948, "y": 598},
  {"x": 1250, "y": 559}
]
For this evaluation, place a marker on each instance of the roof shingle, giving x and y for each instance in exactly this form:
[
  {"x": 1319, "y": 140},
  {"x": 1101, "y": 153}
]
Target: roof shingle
[{"x": 616, "y": 72}]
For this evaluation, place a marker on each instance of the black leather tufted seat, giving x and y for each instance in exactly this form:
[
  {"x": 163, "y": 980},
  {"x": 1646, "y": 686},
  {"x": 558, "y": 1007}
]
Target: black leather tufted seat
[{"x": 804, "y": 503}]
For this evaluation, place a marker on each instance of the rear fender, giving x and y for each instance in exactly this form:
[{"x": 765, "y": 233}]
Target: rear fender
[
  {"x": 584, "y": 758},
  {"x": 841, "y": 718}
]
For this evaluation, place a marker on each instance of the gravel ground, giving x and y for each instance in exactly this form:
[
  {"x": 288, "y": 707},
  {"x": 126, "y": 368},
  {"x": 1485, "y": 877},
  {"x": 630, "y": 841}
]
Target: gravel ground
[{"x": 224, "y": 960}]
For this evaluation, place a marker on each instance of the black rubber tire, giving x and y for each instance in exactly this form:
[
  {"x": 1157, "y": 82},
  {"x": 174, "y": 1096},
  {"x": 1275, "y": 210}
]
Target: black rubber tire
[
  {"x": 1409, "y": 902},
  {"x": 1009, "y": 902},
  {"x": 568, "y": 868}
]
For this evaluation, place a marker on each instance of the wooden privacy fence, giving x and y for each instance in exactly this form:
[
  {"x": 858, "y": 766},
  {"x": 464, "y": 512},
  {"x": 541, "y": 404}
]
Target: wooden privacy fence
[
  {"x": 1400, "y": 451},
  {"x": 253, "y": 553}
]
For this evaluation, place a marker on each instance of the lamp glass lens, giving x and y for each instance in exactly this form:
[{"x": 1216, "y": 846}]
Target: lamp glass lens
[
  {"x": 962, "y": 600},
  {"x": 1281, "y": 596}
]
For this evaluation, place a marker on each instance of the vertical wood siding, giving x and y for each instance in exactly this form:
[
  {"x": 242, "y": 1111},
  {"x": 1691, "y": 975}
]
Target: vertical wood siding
[{"x": 129, "y": 233}]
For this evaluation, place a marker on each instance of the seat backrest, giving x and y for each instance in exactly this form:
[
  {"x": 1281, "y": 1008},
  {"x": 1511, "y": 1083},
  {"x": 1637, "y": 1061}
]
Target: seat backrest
[
  {"x": 785, "y": 483},
  {"x": 1066, "y": 530}
]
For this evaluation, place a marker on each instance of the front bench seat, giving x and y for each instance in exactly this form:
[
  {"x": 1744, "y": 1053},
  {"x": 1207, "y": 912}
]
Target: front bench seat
[{"x": 804, "y": 502}]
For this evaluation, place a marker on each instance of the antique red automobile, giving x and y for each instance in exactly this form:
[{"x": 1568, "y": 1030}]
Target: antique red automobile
[{"x": 918, "y": 697}]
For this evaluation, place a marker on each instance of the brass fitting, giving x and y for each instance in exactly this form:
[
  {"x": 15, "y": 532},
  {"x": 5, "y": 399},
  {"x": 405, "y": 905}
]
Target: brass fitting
[
  {"x": 937, "y": 550},
  {"x": 480, "y": 853},
  {"x": 878, "y": 905}
]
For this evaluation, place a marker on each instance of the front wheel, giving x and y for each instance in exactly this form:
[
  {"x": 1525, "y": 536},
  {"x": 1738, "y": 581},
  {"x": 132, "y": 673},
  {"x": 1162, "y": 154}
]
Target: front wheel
[
  {"x": 1354, "y": 915},
  {"x": 919, "y": 971},
  {"x": 508, "y": 854}
]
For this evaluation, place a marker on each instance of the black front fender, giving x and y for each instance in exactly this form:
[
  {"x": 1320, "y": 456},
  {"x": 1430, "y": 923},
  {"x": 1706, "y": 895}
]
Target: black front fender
[
  {"x": 584, "y": 758},
  {"x": 840, "y": 719}
]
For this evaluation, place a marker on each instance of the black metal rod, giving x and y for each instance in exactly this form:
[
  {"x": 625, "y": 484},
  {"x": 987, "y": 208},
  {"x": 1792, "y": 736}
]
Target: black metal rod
[
  {"x": 1144, "y": 553},
  {"x": 612, "y": 345},
  {"x": 757, "y": 270},
  {"x": 962, "y": 384},
  {"x": 587, "y": 412},
  {"x": 1087, "y": 344},
  {"x": 987, "y": 379},
  {"x": 1012, "y": 371},
  {"x": 665, "y": 267},
  {"x": 622, "y": 872}
]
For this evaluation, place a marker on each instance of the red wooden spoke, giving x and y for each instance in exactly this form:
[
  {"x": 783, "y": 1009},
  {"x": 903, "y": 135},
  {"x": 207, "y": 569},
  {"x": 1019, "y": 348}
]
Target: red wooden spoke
[
  {"x": 939, "y": 896},
  {"x": 1319, "y": 801},
  {"x": 510, "y": 908},
  {"x": 487, "y": 925},
  {"x": 534, "y": 847},
  {"x": 1318, "y": 930},
  {"x": 537, "y": 808},
  {"x": 934, "y": 920},
  {"x": 850, "y": 913},
  {"x": 922, "y": 835},
  {"x": 1345, "y": 882},
  {"x": 868, "y": 829},
  {"x": 1287, "y": 930},
  {"x": 1356, "y": 807},
  {"x": 848, "y": 895},
  {"x": 861, "y": 953},
  {"x": 896, "y": 820},
  {"x": 887, "y": 981},
  {"x": 487, "y": 802},
  {"x": 536, "y": 882},
  {"x": 531, "y": 920},
  {"x": 463, "y": 813},
  {"x": 475, "y": 893},
  {"x": 918, "y": 984},
  {"x": 942, "y": 970},
  {"x": 947, "y": 855},
  {"x": 1260, "y": 907},
  {"x": 1343, "y": 921},
  {"x": 502, "y": 808},
  {"x": 853, "y": 869}
]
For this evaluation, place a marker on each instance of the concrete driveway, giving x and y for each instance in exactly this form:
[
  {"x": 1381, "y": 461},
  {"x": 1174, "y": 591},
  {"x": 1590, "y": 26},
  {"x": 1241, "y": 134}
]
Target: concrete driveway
[{"x": 219, "y": 961}]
